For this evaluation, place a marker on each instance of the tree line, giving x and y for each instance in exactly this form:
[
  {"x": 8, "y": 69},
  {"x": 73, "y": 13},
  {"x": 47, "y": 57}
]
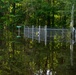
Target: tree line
[{"x": 22, "y": 56}]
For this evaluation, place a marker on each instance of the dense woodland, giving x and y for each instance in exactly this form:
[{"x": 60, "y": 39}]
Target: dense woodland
[{"x": 22, "y": 56}]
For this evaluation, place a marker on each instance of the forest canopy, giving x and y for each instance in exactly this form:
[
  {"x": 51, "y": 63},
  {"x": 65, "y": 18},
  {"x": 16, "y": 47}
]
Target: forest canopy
[{"x": 22, "y": 56}]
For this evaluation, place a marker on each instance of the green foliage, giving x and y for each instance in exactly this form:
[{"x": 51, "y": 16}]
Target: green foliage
[{"x": 19, "y": 56}]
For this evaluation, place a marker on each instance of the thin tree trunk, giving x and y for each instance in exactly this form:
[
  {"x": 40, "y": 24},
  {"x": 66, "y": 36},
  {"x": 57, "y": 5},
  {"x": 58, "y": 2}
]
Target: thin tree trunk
[{"x": 13, "y": 45}]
